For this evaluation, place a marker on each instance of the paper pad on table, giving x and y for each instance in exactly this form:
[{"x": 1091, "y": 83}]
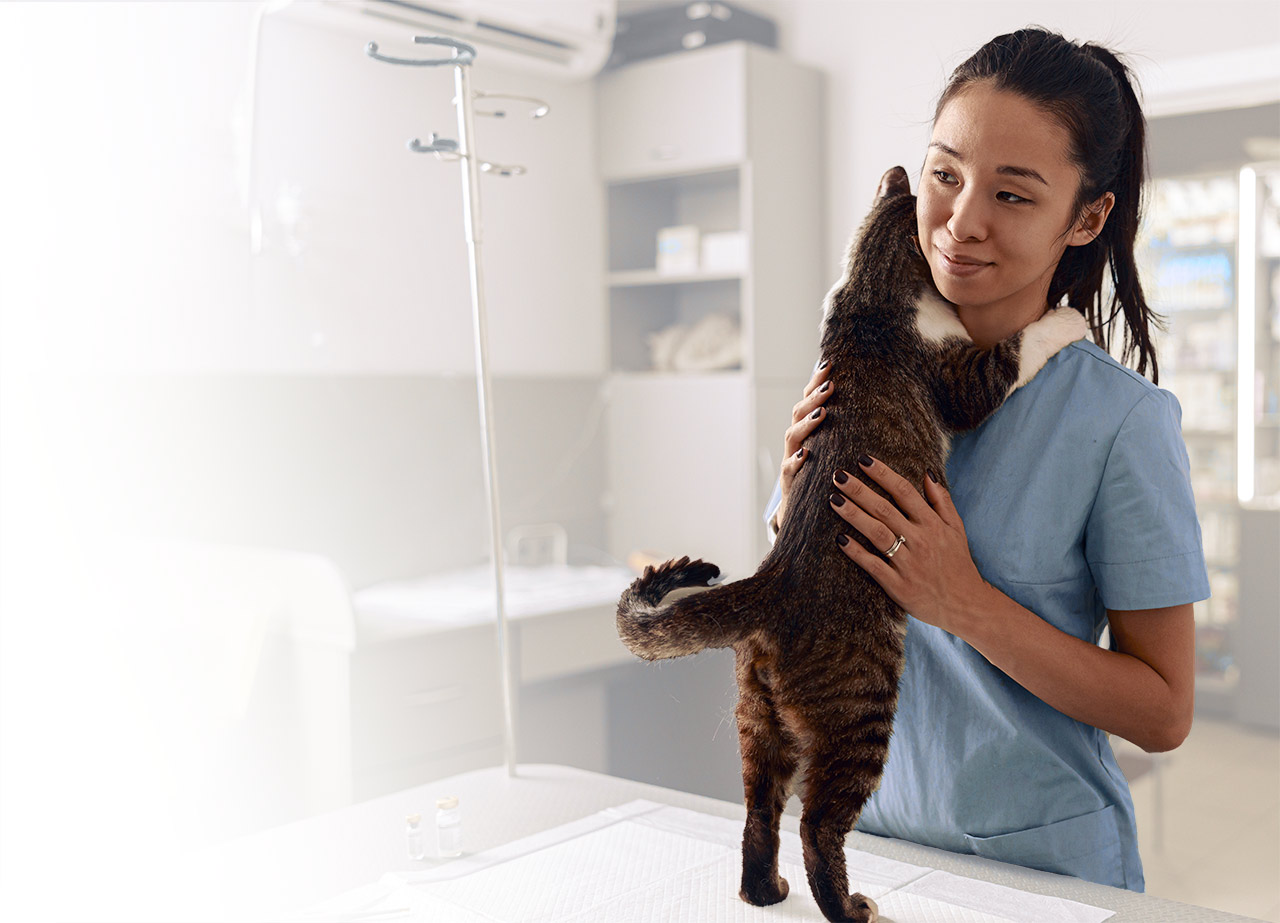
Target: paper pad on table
[{"x": 648, "y": 863}]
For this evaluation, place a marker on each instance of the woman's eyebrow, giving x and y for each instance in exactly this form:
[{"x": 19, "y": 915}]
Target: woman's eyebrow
[{"x": 1025, "y": 172}]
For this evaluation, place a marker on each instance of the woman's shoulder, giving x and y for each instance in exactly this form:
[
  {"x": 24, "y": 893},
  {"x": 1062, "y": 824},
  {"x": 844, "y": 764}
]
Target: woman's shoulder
[
  {"x": 1089, "y": 359},
  {"x": 1095, "y": 383},
  {"x": 1089, "y": 370}
]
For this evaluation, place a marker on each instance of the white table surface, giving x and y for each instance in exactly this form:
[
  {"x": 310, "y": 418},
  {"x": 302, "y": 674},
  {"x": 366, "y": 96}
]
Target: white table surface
[{"x": 294, "y": 866}]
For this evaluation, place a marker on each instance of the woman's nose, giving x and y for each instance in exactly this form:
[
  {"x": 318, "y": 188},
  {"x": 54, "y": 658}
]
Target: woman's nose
[{"x": 969, "y": 218}]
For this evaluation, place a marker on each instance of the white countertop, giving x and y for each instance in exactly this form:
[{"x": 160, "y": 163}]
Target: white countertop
[{"x": 291, "y": 867}]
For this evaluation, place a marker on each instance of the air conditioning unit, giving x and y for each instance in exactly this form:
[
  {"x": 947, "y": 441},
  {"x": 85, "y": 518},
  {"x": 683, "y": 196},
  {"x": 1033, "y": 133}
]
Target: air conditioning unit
[{"x": 566, "y": 38}]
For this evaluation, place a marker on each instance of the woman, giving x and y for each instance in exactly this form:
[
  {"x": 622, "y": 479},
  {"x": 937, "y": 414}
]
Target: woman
[{"x": 1071, "y": 507}]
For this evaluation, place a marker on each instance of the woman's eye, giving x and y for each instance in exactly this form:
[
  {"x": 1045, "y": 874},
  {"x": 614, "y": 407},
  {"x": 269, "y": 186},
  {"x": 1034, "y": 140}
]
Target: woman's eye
[{"x": 1012, "y": 198}]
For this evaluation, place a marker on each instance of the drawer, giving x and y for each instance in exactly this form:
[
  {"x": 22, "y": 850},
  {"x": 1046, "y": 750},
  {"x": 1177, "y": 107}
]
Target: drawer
[
  {"x": 570, "y": 643},
  {"x": 422, "y": 695},
  {"x": 382, "y": 780},
  {"x": 674, "y": 113}
]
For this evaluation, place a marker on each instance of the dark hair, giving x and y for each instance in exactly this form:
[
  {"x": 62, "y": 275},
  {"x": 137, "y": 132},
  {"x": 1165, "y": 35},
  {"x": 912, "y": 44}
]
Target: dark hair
[{"x": 1089, "y": 91}]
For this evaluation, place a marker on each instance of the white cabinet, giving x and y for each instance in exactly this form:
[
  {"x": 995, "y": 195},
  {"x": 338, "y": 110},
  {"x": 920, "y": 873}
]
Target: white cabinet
[
  {"x": 723, "y": 139},
  {"x": 680, "y": 455},
  {"x": 680, "y": 112},
  {"x": 424, "y": 705},
  {"x": 426, "y": 698}
]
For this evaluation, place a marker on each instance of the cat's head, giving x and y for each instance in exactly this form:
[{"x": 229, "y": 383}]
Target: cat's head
[
  {"x": 885, "y": 270},
  {"x": 888, "y": 239}
]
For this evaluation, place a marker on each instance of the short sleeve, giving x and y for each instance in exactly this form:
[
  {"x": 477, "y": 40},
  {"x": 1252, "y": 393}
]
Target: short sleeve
[
  {"x": 775, "y": 501},
  {"x": 1142, "y": 538}
]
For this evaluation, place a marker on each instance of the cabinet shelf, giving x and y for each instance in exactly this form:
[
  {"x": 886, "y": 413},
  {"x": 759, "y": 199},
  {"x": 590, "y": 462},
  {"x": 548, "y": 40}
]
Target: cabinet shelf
[{"x": 726, "y": 141}]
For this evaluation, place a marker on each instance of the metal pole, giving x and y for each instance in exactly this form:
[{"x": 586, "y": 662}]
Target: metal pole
[{"x": 474, "y": 232}]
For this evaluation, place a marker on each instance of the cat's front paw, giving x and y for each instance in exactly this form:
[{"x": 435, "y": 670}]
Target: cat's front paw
[{"x": 1042, "y": 339}]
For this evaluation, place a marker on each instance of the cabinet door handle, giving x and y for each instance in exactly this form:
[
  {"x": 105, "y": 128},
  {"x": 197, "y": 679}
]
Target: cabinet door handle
[
  {"x": 435, "y": 696},
  {"x": 664, "y": 152}
]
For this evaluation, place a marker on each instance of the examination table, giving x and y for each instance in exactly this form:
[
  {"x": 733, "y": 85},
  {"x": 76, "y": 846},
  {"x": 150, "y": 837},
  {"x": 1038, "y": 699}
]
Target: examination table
[{"x": 348, "y": 864}]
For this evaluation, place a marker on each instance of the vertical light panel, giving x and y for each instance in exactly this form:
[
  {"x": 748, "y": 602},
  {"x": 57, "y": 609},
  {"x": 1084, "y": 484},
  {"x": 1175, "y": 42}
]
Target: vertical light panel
[{"x": 1246, "y": 266}]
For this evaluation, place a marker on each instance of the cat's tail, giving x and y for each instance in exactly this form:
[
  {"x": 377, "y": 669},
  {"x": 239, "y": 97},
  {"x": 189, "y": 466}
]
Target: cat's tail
[{"x": 692, "y": 623}]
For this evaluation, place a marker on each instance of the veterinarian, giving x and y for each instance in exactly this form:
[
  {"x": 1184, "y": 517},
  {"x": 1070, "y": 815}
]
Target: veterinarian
[{"x": 1070, "y": 509}]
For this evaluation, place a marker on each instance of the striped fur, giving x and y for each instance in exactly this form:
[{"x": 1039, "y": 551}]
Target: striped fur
[{"x": 818, "y": 644}]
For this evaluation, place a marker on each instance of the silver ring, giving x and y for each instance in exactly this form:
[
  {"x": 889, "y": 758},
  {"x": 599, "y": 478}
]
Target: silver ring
[{"x": 893, "y": 549}]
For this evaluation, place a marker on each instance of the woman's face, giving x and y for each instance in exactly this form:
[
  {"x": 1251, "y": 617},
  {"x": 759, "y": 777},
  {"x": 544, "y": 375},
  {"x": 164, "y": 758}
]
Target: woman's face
[{"x": 995, "y": 197}]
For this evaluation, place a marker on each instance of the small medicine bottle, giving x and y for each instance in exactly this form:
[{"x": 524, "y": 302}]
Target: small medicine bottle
[
  {"x": 415, "y": 837},
  {"x": 448, "y": 827}
]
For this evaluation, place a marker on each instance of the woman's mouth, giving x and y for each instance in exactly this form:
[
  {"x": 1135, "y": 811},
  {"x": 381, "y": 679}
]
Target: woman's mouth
[{"x": 961, "y": 265}]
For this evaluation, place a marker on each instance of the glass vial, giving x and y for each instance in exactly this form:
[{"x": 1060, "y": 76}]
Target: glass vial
[
  {"x": 415, "y": 837},
  {"x": 448, "y": 828}
]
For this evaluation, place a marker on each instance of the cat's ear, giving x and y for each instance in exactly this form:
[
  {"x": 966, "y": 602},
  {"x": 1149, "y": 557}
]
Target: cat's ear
[{"x": 894, "y": 182}]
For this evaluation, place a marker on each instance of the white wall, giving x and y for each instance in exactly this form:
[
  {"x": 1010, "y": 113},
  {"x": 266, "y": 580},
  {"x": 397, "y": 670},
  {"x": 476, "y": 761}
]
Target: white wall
[{"x": 887, "y": 62}]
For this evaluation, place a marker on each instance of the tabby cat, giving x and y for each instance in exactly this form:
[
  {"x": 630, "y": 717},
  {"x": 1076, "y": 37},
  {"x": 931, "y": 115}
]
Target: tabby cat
[{"x": 818, "y": 643}]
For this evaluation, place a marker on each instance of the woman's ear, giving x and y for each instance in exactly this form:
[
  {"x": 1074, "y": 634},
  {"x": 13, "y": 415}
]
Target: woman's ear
[{"x": 1092, "y": 220}]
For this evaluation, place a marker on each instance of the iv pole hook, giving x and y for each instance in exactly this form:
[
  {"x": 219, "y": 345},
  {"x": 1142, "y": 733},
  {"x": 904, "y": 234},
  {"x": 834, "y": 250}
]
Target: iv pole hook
[{"x": 464, "y": 54}]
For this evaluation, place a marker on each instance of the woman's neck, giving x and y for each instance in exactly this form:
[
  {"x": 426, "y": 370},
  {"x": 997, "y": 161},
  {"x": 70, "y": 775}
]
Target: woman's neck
[{"x": 987, "y": 326}]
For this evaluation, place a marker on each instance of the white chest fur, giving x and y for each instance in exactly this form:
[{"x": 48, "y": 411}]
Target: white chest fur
[{"x": 937, "y": 320}]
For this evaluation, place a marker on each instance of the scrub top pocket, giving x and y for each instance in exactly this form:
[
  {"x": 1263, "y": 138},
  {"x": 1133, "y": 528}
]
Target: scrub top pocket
[{"x": 1085, "y": 847}]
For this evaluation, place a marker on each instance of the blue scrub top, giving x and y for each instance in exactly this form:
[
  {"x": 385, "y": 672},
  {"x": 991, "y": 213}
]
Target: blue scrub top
[{"x": 1076, "y": 498}]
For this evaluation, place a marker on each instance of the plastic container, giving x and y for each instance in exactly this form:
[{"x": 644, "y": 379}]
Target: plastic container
[
  {"x": 415, "y": 837},
  {"x": 448, "y": 827}
]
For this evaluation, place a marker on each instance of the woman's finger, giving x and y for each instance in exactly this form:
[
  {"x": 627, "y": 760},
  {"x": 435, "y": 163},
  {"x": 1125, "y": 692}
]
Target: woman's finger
[
  {"x": 815, "y": 394},
  {"x": 806, "y": 415},
  {"x": 804, "y": 409},
  {"x": 876, "y": 532},
  {"x": 799, "y": 431},
  {"x": 820, "y": 374},
  {"x": 880, "y": 570},
  {"x": 872, "y": 503},
  {"x": 940, "y": 499},
  {"x": 791, "y": 464},
  {"x": 904, "y": 493}
]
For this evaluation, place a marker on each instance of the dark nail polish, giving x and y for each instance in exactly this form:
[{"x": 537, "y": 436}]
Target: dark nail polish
[
  {"x": 825, "y": 363},
  {"x": 842, "y": 539},
  {"x": 837, "y": 499},
  {"x": 817, "y": 413},
  {"x": 865, "y": 461},
  {"x": 841, "y": 477},
  {"x": 826, "y": 386},
  {"x": 932, "y": 476},
  {"x": 800, "y": 452}
]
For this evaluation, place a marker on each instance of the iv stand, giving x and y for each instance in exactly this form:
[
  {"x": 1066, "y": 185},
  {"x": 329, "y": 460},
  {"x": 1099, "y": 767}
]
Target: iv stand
[{"x": 462, "y": 150}]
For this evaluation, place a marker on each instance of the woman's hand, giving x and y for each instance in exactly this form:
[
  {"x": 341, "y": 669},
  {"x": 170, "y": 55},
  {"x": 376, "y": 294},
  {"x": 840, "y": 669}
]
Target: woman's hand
[
  {"x": 805, "y": 418},
  {"x": 1144, "y": 690},
  {"x": 930, "y": 573}
]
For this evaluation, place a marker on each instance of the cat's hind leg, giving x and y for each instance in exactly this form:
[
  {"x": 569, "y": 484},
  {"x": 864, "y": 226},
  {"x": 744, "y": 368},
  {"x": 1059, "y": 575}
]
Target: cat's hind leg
[
  {"x": 768, "y": 765},
  {"x": 837, "y": 785}
]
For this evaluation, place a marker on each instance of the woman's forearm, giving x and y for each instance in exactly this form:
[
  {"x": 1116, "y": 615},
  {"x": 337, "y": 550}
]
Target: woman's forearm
[{"x": 1111, "y": 690}]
